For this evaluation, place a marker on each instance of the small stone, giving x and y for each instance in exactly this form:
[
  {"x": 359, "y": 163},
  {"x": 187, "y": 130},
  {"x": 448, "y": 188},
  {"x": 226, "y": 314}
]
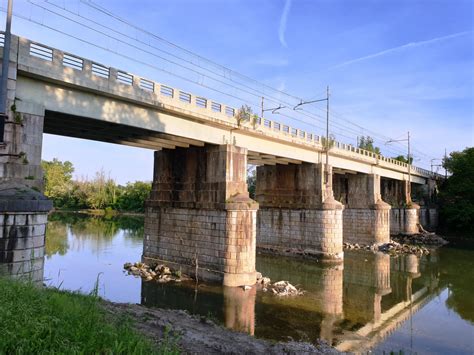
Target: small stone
[
  {"x": 246, "y": 287},
  {"x": 127, "y": 266}
]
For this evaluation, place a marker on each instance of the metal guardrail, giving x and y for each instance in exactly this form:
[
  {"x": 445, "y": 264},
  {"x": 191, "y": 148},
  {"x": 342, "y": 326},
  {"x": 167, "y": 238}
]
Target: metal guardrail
[{"x": 71, "y": 61}]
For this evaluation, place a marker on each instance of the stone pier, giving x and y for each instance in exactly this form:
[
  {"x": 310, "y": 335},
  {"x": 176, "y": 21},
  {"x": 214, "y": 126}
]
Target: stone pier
[
  {"x": 199, "y": 217},
  {"x": 366, "y": 217},
  {"x": 23, "y": 208},
  {"x": 404, "y": 216},
  {"x": 298, "y": 211}
]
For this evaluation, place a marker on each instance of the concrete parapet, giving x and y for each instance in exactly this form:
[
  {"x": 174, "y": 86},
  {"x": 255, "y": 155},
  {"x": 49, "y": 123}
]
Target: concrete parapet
[{"x": 199, "y": 216}]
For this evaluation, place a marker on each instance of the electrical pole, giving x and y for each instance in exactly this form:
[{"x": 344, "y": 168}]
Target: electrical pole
[
  {"x": 445, "y": 170},
  {"x": 262, "y": 108},
  {"x": 409, "y": 167},
  {"x": 5, "y": 65},
  {"x": 326, "y": 148},
  {"x": 408, "y": 160},
  {"x": 327, "y": 137}
]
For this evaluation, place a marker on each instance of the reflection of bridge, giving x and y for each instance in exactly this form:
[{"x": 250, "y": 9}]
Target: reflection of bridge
[
  {"x": 199, "y": 212},
  {"x": 353, "y": 307}
]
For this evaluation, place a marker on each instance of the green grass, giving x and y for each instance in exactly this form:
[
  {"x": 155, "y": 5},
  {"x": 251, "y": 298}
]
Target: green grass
[{"x": 43, "y": 320}]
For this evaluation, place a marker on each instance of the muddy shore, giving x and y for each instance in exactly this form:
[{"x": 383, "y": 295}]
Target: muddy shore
[{"x": 198, "y": 335}]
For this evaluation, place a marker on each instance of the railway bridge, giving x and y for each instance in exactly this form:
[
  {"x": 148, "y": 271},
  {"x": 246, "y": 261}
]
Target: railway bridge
[{"x": 310, "y": 195}]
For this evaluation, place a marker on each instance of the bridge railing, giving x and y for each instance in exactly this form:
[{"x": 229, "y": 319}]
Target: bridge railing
[{"x": 38, "y": 54}]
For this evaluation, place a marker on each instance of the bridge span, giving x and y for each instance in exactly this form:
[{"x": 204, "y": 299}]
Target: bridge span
[{"x": 199, "y": 214}]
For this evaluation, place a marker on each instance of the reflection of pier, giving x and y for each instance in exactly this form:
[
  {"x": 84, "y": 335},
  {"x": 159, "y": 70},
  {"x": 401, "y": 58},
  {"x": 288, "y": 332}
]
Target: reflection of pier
[
  {"x": 351, "y": 306},
  {"x": 379, "y": 297}
]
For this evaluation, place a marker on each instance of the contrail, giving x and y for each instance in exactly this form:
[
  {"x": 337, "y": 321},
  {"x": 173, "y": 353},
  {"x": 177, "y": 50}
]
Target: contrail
[
  {"x": 283, "y": 21},
  {"x": 405, "y": 46}
]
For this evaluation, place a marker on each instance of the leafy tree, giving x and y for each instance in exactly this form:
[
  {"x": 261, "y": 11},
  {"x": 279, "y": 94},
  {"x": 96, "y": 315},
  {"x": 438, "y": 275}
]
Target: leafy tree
[
  {"x": 251, "y": 181},
  {"x": 133, "y": 196},
  {"x": 457, "y": 193},
  {"x": 57, "y": 180},
  {"x": 367, "y": 143},
  {"x": 243, "y": 114},
  {"x": 403, "y": 159}
]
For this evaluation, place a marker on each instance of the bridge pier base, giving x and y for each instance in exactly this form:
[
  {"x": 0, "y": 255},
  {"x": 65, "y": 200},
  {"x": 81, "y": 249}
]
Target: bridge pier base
[
  {"x": 366, "y": 216},
  {"x": 199, "y": 217},
  {"x": 297, "y": 211},
  {"x": 405, "y": 217}
]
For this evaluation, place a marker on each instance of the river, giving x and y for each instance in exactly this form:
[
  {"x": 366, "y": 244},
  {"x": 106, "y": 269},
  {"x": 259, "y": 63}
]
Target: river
[{"x": 372, "y": 302}]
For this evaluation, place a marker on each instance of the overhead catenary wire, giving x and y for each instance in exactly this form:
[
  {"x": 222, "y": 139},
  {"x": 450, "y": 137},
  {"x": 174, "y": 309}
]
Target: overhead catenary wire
[
  {"x": 160, "y": 69},
  {"x": 108, "y": 13},
  {"x": 338, "y": 128}
]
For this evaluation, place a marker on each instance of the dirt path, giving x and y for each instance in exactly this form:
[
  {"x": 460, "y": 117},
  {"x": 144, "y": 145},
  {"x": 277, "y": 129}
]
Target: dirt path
[{"x": 198, "y": 336}]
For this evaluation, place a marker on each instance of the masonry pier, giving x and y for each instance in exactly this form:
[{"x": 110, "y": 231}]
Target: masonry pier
[
  {"x": 23, "y": 208},
  {"x": 199, "y": 217},
  {"x": 366, "y": 217},
  {"x": 298, "y": 210},
  {"x": 405, "y": 215}
]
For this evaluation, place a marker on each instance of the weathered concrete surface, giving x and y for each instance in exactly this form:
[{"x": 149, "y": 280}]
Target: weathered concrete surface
[
  {"x": 429, "y": 218},
  {"x": 405, "y": 215},
  {"x": 297, "y": 210},
  {"x": 23, "y": 209},
  {"x": 366, "y": 216},
  {"x": 199, "y": 215},
  {"x": 23, "y": 219}
]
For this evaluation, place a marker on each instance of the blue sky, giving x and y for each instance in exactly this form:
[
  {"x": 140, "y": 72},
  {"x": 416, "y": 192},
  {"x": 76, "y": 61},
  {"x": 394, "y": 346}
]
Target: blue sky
[{"x": 392, "y": 66}]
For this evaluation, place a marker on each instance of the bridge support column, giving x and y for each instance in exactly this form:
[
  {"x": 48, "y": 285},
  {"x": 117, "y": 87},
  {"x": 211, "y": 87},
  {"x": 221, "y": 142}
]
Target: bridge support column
[
  {"x": 298, "y": 211},
  {"x": 23, "y": 209},
  {"x": 405, "y": 215},
  {"x": 366, "y": 216},
  {"x": 199, "y": 216}
]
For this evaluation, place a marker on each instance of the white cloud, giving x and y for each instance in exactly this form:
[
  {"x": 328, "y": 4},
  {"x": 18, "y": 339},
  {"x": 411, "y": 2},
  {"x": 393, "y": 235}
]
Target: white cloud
[
  {"x": 283, "y": 22},
  {"x": 399, "y": 48}
]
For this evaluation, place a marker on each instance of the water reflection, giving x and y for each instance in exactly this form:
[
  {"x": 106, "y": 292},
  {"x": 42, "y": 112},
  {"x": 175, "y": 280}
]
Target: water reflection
[{"x": 372, "y": 301}]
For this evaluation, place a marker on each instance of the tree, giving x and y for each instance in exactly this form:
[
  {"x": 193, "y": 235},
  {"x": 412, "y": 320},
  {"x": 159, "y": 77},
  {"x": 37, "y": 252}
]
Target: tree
[
  {"x": 252, "y": 181},
  {"x": 133, "y": 196},
  {"x": 403, "y": 159},
  {"x": 243, "y": 114},
  {"x": 367, "y": 143},
  {"x": 57, "y": 180},
  {"x": 457, "y": 192}
]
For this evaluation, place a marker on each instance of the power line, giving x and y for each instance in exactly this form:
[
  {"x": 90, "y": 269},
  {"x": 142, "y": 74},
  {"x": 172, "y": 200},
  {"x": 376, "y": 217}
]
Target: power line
[
  {"x": 337, "y": 127},
  {"x": 311, "y": 115}
]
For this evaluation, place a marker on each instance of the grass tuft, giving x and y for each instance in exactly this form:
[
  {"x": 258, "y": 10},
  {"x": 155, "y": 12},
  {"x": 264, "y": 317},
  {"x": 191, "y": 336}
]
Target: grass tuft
[{"x": 43, "y": 320}]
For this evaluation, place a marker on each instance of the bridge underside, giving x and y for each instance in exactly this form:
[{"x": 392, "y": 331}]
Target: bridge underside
[{"x": 103, "y": 131}]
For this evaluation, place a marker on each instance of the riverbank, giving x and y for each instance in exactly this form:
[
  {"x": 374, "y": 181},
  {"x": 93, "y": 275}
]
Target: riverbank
[
  {"x": 100, "y": 213},
  {"x": 34, "y": 320}
]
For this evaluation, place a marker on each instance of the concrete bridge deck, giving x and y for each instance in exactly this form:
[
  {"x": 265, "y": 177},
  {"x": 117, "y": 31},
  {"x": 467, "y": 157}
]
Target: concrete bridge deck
[{"x": 140, "y": 112}]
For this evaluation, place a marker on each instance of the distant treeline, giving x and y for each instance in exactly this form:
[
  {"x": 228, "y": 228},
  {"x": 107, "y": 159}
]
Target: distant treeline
[{"x": 98, "y": 193}]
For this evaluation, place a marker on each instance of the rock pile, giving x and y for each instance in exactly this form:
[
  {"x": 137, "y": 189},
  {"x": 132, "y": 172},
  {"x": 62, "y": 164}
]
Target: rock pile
[
  {"x": 159, "y": 273},
  {"x": 396, "y": 248},
  {"x": 280, "y": 288},
  {"x": 392, "y": 247},
  {"x": 424, "y": 238},
  {"x": 284, "y": 288}
]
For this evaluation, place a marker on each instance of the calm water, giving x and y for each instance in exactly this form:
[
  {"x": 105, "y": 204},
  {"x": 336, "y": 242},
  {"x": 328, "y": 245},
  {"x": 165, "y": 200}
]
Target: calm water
[{"x": 372, "y": 302}]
